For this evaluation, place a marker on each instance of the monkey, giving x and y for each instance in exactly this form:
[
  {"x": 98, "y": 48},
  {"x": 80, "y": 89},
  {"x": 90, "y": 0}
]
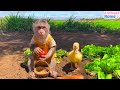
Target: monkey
[{"x": 42, "y": 40}]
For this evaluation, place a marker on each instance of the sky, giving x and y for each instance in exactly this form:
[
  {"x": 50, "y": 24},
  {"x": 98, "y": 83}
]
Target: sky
[{"x": 55, "y": 14}]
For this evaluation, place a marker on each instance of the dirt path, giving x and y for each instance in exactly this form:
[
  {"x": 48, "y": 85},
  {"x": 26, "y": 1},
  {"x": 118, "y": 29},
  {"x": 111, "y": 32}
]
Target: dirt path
[
  {"x": 10, "y": 67},
  {"x": 11, "y": 50}
]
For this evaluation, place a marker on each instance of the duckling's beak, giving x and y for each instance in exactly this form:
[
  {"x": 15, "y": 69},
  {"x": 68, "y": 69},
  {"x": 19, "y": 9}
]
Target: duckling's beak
[
  {"x": 76, "y": 51},
  {"x": 75, "y": 47}
]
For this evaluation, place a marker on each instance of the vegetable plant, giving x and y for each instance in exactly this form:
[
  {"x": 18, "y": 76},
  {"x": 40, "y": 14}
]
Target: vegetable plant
[
  {"x": 27, "y": 53},
  {"x": 60, "y": 53},
  {"x": 105, "y": 61}
]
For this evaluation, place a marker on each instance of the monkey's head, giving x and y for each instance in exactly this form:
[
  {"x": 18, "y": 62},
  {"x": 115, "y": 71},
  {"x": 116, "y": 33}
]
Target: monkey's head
[{"x": 41, "y": 28}]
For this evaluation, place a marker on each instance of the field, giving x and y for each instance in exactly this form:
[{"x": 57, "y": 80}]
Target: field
[
  {"x": 12, "y": 45},
  {"x": 99, "y": 42}
]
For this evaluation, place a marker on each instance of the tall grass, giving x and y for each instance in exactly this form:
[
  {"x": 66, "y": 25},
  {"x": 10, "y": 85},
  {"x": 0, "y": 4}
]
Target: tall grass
[
  {"x": 17, "y": 23},
  {"x": 1, "y": 24}
]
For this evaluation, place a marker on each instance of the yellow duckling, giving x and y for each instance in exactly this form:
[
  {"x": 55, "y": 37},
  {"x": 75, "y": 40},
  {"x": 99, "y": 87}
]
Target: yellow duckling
[{"x": 75, "y": 56}]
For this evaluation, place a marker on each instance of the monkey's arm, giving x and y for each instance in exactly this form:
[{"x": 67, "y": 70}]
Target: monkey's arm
[
  {"x": 50, "y": 52},
  {"x": 32, "y": 45},
  {"x": 52, "y": 49}
]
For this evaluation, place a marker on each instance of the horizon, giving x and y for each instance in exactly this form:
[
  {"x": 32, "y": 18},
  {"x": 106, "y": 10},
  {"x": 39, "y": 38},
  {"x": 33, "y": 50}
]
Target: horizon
[{"x": 55, "y": 15}]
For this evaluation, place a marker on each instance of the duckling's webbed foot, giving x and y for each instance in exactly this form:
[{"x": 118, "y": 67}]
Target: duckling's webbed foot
[{"x": 72, "y": 68}]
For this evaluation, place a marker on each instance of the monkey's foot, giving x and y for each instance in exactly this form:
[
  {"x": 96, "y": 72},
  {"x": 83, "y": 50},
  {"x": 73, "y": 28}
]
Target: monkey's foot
[
  {"x": 78, "y": 69},
  {"x": 54, "y": 74},
  {"x": 31, "y": 75}
]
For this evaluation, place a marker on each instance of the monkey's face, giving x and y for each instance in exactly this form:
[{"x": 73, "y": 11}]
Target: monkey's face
[{"x": 41, "y": 29}]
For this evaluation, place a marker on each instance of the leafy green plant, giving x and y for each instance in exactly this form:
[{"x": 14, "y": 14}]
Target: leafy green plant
[
  {"x": 116, "y": 73},
  {"x": 105, "y": 60},
  {"x": 27, "y": 53},
  {"x": 60, "y": 53},
  {"x": 101, "y": 75}
]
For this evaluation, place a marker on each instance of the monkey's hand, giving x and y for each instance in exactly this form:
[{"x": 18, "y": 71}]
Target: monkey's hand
[
  {"x": 50, "y": 52},
  {"x": 37, "y": 51},
  {"x": 42, "y": 58}
]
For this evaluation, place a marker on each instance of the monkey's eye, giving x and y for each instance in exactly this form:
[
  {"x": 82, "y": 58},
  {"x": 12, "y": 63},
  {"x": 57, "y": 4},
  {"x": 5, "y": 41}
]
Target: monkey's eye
[{"x": 41, "y": 27}]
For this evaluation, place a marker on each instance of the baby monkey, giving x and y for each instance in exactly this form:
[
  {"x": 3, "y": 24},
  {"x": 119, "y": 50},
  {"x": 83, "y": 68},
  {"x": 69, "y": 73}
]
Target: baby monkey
[{"x": 42, "y": 41}]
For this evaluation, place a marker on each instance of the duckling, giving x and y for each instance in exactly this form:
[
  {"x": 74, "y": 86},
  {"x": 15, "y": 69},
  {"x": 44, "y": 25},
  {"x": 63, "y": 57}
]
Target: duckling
[{"x": 75, "y": 56}]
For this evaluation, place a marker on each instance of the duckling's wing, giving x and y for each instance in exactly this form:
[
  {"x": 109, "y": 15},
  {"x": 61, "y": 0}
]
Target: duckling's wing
[
  {"x": 79, "y": 57},
  {"x": 70, "y": 56}
]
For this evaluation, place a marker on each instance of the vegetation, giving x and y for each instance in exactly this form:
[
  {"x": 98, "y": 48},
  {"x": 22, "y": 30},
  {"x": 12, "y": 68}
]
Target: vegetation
[
  {"x": 60, "y": 53},
  {"x": 105, "y": 61},
  {"x": 27, "y": 53},
  {"x": 18, "y": 23}
]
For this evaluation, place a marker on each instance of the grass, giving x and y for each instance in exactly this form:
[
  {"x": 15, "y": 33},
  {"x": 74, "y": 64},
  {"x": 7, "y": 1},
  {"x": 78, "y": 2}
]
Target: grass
[
  {"x": 22, "y": 24},
  {"x": 16, "y": 23}
]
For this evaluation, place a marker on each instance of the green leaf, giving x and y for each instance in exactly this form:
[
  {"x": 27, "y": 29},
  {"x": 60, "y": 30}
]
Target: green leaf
[
  {"x": 109, "y": 76},
  {"x": 97, "y": 69},
  {"x": 101, "y": 75},
  {"x": 27, "y": 52},
  {"x": 58, "y": 60},
  {"x": 105, "y": 56},
  {"x": 117, "y": 72}
]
